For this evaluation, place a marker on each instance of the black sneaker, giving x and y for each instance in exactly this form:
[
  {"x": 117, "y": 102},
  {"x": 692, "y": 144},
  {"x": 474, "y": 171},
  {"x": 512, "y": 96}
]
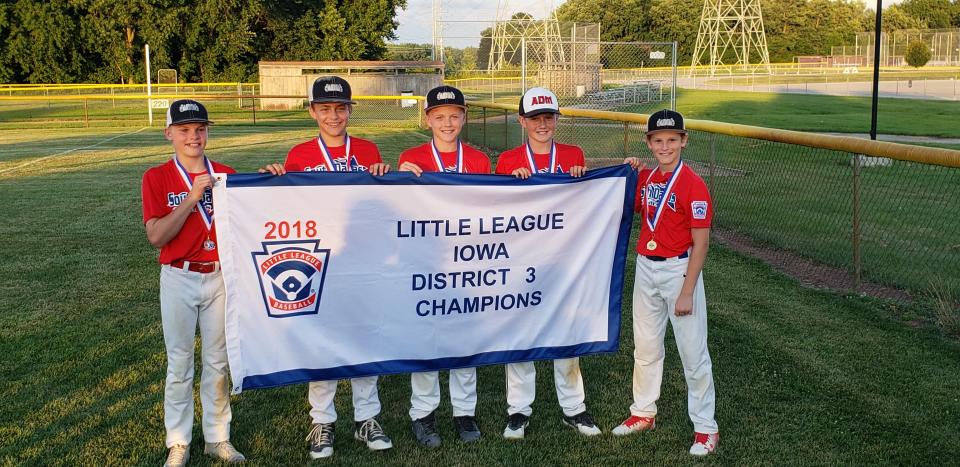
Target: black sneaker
[
  {"x": 467, "y": 428},
  {"x": 370, "y": 432},
  {"x": 583, "y": 423},
  {"x": 516, "y": 425},
  {"x": 425, "y": 430},
  {"x": 321, "y": 440}
]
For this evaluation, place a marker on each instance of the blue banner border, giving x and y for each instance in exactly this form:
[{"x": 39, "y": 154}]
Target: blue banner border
[{"x": 611, "y": 345}]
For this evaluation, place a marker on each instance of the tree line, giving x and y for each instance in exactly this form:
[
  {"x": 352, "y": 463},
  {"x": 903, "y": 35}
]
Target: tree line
[
  {"x": 72, "y": 41},
  {"x": 102, "y": 41}
]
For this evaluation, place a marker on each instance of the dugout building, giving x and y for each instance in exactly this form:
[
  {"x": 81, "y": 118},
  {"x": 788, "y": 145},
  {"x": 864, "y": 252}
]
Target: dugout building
[{"x": 367, "y": 78}]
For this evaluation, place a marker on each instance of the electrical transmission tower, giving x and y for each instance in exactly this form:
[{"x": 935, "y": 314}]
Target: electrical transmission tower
[
  {"x": 732, "y": 29},
  {"x": 541, "y": 37}
]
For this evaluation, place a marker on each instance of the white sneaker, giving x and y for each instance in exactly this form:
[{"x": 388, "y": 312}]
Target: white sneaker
[
  {"x": 635, "y": 424},
  {"x": 516, "y": 425},
  {"x": 704, "y": 443},
  {"x": 178, "y": 455},
  {"x": 583, "y": 423},
  {"x": 224, "y": 451}
]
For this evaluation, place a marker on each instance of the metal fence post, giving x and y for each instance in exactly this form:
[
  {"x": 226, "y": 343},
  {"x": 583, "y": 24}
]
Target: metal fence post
[
  {"x": 855, "y": 240},
  {"x": 626, "y": 138},
  {"x": 484, "y": 116},
  {"x": 253, "y": 106},
  {"x": 86, "y": 115},
  {"x": 713, "y": 155},
  {"x": 573, "y": 129},
  {"x": 506, "y": 131}
]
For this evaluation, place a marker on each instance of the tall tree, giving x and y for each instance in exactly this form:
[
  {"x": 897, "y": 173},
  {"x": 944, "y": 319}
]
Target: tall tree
[
  {"x": 936, "y": 14},
  {"x": 620, "y": 20}
]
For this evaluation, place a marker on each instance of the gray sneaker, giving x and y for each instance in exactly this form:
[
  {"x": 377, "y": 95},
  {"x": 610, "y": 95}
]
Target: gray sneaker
[
  {"x": 425, "y": 430},
  {"x": 370, "y": 432},
  {"x": 467, "y": 428},
  {"x": 224, "y": 451},
  {"x": 178, "y": 456},
  {"x": 321, "y": 440}
]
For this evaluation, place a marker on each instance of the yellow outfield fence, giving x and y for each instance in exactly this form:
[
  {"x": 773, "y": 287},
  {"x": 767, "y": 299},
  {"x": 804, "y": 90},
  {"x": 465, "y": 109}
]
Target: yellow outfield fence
[
  {"x": 814, "y": 205},
  {"x": 135, "y": 109}
]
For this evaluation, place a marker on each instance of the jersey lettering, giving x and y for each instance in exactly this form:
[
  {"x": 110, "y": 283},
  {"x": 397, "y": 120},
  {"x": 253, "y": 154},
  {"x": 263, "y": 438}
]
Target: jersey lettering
[
  {"x": 339, "y": 165},
  {"x": 655, "y": 193},
  {"x": 175, "y": 199}
]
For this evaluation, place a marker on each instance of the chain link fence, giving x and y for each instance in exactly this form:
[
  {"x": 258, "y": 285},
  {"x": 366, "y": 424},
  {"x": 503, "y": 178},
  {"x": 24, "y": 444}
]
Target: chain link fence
[
  {"x": 881, "y": 226},
  {"x": 623, "y": 76},
  {"x": 32, "y": 106}
]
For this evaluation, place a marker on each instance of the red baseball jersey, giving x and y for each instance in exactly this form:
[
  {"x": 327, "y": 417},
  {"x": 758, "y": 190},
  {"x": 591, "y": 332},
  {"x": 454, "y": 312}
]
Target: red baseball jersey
[
  {"x": 474, "y": 161},
  {"x": 306, "y": 157},
  {"x": 163, "y": 190},
  {"x": 688, "y": 207},
  {"x": 513, "y": 159}
]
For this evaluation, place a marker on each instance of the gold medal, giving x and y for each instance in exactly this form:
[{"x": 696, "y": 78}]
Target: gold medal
[
  {"x": 651, "y": 245},
  {"x": 209, "y": 245}
]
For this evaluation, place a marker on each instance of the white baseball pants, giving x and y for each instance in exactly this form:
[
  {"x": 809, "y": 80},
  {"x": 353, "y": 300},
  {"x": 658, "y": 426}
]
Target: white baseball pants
[
  {"x": 187, "y": 298},
  {"x": 425, "y": 392},
  {"x": 366, "y": 399},
  {"x": 522, "y": 386},
  {"x": 656, "y": 287}
]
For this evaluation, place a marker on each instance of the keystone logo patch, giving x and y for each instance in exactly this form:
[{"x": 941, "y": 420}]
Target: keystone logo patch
[
  {"x": 189, "y": 107},
  {"x": 333, "y": 87},
  {"x": 291, "y": 276}
]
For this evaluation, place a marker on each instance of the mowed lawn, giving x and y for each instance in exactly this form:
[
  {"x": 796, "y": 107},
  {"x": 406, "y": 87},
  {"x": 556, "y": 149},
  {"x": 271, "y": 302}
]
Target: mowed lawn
[{"x": 803, "y": 376}]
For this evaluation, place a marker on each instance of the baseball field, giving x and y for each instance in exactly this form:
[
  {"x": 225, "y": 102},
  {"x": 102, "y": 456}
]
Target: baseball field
[{"x": 803, "y": 376}]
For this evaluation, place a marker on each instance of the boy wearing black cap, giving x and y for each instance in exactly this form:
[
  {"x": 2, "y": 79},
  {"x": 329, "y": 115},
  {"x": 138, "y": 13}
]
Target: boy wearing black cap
[
  {"x": 674, "y": 237},
  {"x": 539, "y": 111},
  {"x": 178, "y": 216},
  {"x": 446, "y": 114},
  {"x": 335, "y": 151}
]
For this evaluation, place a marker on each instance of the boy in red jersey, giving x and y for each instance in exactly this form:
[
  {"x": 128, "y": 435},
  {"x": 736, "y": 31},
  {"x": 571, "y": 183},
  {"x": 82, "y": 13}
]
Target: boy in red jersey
[
  {"x": 446, "y": 113},
  {"x": 539, "y": 112},
  {"x": 335, "y": 151},
  {"x": 674, "y": 236},
  {"x": 178, "y": 216}
]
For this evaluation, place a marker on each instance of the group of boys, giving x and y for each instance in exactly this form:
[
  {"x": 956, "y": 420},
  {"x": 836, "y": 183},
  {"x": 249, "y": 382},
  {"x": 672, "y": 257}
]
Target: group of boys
[{"x": 672, "y": 199}]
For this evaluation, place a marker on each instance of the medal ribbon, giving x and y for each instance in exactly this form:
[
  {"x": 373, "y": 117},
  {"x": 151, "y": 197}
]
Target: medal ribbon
[
  {"x": 663, "y": 200},
  {"x": 329, "y": 160},
  {"x": 439, "y": 160},
  {"x": 207, "y": 218},
  {"x": 553, "y": 158}
]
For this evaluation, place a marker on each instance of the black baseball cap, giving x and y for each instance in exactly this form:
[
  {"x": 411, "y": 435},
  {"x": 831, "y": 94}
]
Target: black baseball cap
[
  {"x": 444, "y": 95},
  {"x": 186, "y": 111},
  {"x": 665, "y": 120},
  {"x": 330, "y": 89},
  {"x": 537, "y": 101}
]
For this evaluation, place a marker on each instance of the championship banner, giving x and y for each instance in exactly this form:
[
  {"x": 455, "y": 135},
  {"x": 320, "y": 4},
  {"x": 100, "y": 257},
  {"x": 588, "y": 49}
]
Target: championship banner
[{"x": 339, "y": 275}]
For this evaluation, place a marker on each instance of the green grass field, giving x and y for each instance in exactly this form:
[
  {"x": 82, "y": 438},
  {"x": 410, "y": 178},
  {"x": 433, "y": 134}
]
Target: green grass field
[
  {"x": 803, "y": 377},
  {"x": 798, "y": 198}
]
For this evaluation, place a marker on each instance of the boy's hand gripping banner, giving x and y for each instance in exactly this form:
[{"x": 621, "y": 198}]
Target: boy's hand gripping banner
[{"x": 338, "y": 275}]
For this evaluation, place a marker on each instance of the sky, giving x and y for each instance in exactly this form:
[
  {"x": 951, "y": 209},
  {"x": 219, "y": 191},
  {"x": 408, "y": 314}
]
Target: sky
[{"x": 416, "y": 20}]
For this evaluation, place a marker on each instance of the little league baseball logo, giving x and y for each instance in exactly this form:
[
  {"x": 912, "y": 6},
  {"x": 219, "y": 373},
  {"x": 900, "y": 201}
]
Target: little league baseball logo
[
  {"x": 291, "y": 276},
  {"x": 699, "y": 209}
]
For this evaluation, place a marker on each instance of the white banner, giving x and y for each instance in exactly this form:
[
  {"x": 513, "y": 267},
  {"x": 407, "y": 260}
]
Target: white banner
[{"x": 338, "y": 275}]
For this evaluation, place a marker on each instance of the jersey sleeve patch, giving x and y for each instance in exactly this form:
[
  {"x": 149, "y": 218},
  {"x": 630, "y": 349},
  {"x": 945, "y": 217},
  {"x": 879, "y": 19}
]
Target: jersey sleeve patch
[{"x": 699, "y": 209}]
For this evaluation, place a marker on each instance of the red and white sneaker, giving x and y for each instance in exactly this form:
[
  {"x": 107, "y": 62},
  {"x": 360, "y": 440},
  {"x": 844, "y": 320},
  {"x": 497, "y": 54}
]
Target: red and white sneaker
[
  {"x": 634, "y": 424},
  {"x": 704, "y": 443}
]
